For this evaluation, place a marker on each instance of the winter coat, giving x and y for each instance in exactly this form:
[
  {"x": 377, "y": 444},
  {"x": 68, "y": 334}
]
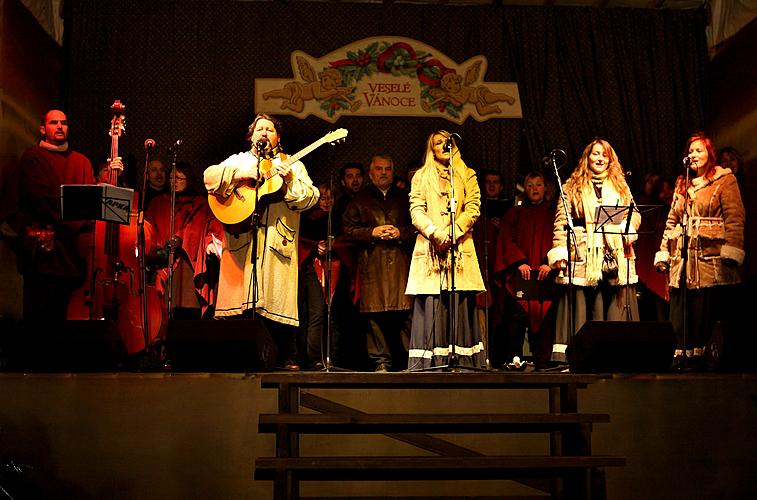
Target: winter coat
[
  {"x": 382, "y": 264},
  {"x": 715, "y": 229},
  {"x": 429, "y": 210},
  {"x": 594, "y": 246},
  {"x": 277, "y": 263}
]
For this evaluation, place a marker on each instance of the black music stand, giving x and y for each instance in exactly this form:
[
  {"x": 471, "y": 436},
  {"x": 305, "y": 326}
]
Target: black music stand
[
  {"x": 96, "y": 202},
  {"x": 607, "y": 215}
]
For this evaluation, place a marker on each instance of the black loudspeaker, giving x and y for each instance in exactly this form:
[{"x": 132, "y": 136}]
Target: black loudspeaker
[
  {"x": 235, "y": 345},
  {"x": 622, "y": 346},
  {"x": 62, "y": 346}
]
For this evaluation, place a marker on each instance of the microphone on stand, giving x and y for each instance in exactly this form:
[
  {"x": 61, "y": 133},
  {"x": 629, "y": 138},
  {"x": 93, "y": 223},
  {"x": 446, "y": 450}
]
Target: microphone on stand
[
  {"x": 149, "y": 143},
  {"x": 260, "y": 145},
  {"x": 687, "y": 161},
  {"x": 451, "y": 140},
  {"x": 552, "y": 155},
  {"x": 175, "y": 145}
]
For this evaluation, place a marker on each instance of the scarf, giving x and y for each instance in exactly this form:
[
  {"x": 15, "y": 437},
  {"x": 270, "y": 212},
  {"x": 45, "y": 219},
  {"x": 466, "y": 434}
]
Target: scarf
[
  {"x": 53, "y": 147},
  {"x": 597, "y": 244}
]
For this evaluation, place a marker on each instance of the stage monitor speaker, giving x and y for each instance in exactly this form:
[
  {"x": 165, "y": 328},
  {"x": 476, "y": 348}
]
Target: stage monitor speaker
[
  {"x": 234, "y": 345},
  {"x": 62, "y": 346},
  {"x": 622, "y": 347}
]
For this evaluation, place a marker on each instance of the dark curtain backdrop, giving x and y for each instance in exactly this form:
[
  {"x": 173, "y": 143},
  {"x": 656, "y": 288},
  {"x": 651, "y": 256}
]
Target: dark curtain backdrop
[{"x": 186, "y": 69}]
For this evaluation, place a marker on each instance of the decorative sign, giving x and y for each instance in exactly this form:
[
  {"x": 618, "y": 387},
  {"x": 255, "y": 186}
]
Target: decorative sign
[{"x": 387, "y": 76}]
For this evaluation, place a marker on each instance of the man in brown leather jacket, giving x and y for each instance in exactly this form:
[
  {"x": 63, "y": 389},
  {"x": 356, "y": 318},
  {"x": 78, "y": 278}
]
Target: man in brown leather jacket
[{"x": 377, "y": 220}]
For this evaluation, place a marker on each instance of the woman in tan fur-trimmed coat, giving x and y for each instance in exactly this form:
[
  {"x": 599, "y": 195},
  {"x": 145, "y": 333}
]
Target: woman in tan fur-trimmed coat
[
  {"x": 715, "y": 243},
  {"x": 431, "y": 275},
  {"x": 603, "y": 269}
]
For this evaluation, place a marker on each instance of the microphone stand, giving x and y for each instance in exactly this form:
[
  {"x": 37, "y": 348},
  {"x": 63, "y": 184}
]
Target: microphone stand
[
  {"x": 452, "y": 362},
  {"x": 172, "y": 228},
  {"x": 328, "y": 366},
  {"x": 485, "y": 213},
  {"x": 570, "y": 237},
  {"x": 683, "y": 280},
  {"x": 258, "y": 151},
  {"x": 141, "y": 246}
]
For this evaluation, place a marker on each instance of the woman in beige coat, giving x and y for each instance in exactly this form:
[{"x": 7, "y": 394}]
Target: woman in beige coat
[
  {"x": 603, "y": 271},
  {"x": 431, "y": 273},
  {"x": 715, "y": 247}
]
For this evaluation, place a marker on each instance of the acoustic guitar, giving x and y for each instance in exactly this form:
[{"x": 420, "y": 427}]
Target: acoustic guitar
[{"x": 242, "y": 203}]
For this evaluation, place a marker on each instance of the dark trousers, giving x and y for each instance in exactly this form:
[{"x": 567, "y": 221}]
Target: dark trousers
[
  {"x": 314, "y": 312},
  {"x": 389, "y": 337},
  {"x": 705, "y": 307},
  {"x": 540, "y": 341}
]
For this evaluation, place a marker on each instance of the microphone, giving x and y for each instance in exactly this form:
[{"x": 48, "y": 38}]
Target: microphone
[
  {"x": 687, "y": 161},
  {"x": 628, "y": 173},
  {"x": 451, "y": 140},
  {"x": 261, "y": 144},
  {"x": 149, "y": 143},
  {"x": 553, "y": 154},
  {"x": 175, "y": 145}
]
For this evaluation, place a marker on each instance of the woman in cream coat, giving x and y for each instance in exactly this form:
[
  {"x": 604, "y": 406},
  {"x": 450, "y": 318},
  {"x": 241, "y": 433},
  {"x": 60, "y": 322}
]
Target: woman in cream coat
[
  {"x": 603, "y": 271},
  {"x": 430, "y": 269}
]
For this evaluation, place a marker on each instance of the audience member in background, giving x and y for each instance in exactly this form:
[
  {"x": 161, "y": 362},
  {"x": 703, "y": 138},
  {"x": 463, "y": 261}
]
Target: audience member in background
[
  {"x": 525, "y": 237},
  {"x": 602, "y": 268},
  {"x": 377, "y": 221},
  {"x": 197, "y": 236},
  {"x": 712, "y": 203},
  {"x": 443, "y": 256}
]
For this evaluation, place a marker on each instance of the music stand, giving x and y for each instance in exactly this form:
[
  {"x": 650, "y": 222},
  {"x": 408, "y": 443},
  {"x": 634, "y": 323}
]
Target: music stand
[
  {"x": 607, "y": 215},
  {"x": 95, "y": 202}
]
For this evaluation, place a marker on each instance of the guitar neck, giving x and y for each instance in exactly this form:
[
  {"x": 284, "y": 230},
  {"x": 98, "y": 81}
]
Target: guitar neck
[
  {"x": 296, "y": 157},
  {"x": 305, "y": 151}
]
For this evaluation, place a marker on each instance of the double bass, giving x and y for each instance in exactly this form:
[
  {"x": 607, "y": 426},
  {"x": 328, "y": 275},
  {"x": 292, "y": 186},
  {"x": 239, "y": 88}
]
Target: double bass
[{"x": 115, "y": 288}]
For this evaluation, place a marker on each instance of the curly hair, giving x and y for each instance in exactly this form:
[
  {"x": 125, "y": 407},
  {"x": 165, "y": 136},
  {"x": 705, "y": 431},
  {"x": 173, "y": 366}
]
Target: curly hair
[{"x": 582, "y": 175}]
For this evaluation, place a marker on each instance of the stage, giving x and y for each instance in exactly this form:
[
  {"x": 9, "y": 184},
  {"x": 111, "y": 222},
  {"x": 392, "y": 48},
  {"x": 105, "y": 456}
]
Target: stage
[{"x": 195, "y": 435}]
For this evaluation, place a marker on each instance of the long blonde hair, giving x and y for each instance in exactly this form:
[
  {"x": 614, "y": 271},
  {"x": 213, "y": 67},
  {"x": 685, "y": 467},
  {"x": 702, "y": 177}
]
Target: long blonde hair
[{"x": 582, "y": 175}]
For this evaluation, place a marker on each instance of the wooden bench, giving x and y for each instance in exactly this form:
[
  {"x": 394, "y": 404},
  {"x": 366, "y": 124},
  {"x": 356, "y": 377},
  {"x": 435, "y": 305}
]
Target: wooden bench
[{"x": 570, "y": 471}]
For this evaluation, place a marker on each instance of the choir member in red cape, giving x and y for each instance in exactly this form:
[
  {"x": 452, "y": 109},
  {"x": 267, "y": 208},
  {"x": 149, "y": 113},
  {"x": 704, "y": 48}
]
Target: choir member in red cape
[
  {"x": 197, "y": 237},
  {"x": 50, "y": 259},
  {"x": 524, "y": 239}
]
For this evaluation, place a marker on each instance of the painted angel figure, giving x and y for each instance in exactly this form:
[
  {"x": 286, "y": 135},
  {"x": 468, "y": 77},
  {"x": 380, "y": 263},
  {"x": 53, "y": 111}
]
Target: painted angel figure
[
  {"x": 459, "y": 91},
  {"x": 320, "y": 86}
]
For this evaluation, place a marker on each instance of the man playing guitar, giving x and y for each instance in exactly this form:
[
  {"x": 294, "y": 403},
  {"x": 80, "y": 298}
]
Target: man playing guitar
[{"x": 259, "y": 270}]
